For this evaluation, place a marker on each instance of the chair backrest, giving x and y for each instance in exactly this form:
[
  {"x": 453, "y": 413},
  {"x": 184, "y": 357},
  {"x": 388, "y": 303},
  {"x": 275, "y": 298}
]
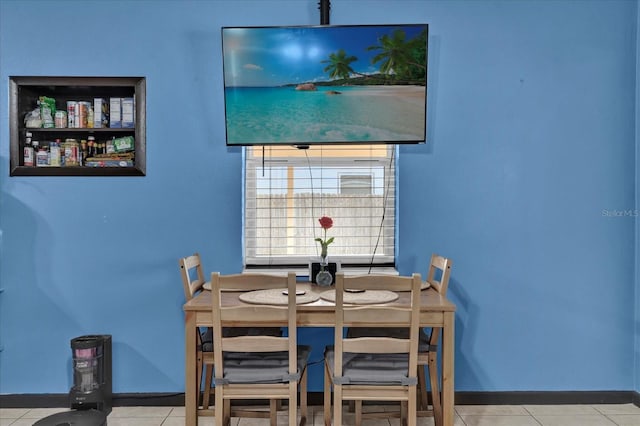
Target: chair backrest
[
  {"x": 192, "y": 284},
  {"x": 439, "y": 272},
  {"x": 243, "y": 315},
  {"x": 438, "y": 267},
  {"x": 383, "y": 315}
]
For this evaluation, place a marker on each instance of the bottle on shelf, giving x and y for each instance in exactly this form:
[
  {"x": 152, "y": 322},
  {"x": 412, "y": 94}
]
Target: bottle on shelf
[
  {"x": 29, "y": 153},
  {"x": 91, "y": 146},
  {"x": 42, "y": 156},
  {"x": 83, "y": 152},
  {"x": 54, "y": 153},
  {"x": 90, "y": 118},
  {"x": 110, "y": 146},
  {"x": 91, "y": 149}
]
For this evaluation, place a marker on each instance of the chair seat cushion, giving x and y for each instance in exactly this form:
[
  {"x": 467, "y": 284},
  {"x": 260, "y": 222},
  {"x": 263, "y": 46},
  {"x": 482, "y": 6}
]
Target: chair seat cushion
[
  {"x": 207, "y": 335},
  {"x": 262, "y": 367},
  {"x": 370, "y": 369},
  {"x": 397, "y": 332}
]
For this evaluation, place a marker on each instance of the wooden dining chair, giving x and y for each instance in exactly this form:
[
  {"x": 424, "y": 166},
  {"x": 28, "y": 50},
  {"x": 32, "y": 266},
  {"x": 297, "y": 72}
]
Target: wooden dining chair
[
  {"x": 373, "y": 368},
  {"x": 257, "y": 367},
  {"x": 438, "y": 279},
  {"x": 193, "y": 281}
]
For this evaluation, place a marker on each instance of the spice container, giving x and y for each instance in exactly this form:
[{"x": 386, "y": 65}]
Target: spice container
[
  {"x": 71, "y": 152},
  {"x": 61, "y": 119}
]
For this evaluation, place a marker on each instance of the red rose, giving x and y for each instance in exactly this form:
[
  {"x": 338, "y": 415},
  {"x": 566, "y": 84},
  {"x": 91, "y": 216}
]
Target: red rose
[{"x": 326, "y": 222}]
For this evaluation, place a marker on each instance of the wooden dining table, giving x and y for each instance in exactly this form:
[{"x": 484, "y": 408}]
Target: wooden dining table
[{"x": 435, "y": 311}]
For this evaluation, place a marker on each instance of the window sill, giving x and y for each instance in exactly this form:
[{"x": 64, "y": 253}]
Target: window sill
[{"x": 303, "y": 273}]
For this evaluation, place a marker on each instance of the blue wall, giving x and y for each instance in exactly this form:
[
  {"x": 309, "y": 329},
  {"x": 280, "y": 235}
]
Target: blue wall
[{"x": 532, "y": 139}]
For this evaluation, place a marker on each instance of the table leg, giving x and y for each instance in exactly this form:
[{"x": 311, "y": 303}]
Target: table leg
[
  {"x": 190, "y": 391},
  {"x": 448, "y": 348}
]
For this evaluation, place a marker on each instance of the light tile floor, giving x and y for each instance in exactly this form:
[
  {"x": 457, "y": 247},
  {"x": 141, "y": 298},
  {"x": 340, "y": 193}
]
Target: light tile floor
[{"x": 466, "y": 415}]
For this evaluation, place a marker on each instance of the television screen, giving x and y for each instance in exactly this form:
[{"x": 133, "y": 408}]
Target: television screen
[{"x": 305, "y": 85}]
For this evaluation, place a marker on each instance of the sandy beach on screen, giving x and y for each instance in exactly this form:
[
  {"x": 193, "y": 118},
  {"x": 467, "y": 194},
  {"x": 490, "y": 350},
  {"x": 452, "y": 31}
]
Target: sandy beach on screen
[
  {"x": 410, "y": 94},
  {"x": 399, "y": 109}
]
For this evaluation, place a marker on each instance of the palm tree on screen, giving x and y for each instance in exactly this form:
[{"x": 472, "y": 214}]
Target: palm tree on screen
[
  {"x": 406, "y": 59},
  {"x": 339, "y": 65}
]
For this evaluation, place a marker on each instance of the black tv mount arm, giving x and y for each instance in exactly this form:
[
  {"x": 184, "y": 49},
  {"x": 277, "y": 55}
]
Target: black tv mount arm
[{"x": 324, "y": 6}]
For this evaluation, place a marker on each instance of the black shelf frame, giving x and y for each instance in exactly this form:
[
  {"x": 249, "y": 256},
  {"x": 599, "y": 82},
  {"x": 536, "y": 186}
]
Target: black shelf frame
[{"x": 23, "y": 90}]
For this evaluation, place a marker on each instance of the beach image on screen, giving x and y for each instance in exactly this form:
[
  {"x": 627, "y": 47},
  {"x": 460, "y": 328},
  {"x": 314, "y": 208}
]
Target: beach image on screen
[{"x": 331, "y": 84}]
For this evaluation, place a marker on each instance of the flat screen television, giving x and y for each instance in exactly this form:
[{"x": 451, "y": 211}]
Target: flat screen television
[{"x": 306, "y": 85}]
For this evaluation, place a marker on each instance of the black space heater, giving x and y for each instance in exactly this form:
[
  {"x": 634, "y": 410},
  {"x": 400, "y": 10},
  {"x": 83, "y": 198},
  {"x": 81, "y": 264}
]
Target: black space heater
[{"x": 91, "y": 395}]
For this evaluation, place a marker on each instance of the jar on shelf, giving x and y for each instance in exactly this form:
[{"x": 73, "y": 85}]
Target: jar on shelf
[
  {"x": 71, "y": 152},
  {"x": 42, "y": 157}
]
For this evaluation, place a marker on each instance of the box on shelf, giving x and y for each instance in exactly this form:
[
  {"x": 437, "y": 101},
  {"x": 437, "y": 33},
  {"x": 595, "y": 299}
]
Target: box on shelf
[
  {"x": 109, "y": 163},
  {"x": 123, "y": 144},
  {"x": 100, "y": 113},
  {"x": 115, "y": 113},
  {"x": 128, "y": 112}
]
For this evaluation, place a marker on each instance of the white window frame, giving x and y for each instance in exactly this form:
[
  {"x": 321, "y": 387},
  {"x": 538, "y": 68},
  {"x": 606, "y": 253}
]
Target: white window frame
[{"x": 318, "y": 162}]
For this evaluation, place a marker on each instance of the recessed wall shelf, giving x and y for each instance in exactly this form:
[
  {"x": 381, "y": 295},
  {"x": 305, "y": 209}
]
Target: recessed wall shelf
[{"x": 24, "y": 93}]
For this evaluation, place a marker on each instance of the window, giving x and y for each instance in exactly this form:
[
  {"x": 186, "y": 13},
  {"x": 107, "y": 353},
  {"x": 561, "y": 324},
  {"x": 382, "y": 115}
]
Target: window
[{"x": 288, "y": 189}]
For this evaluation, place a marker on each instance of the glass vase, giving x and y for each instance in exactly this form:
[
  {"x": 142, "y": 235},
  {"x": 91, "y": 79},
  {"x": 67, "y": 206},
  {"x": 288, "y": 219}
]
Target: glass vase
[{"x": 324, "y": 277}]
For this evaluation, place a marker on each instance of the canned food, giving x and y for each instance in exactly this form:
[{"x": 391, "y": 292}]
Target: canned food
[
  {"x": 72, "y": 110},
  {"x": 83, "y": 114},
  {"x": 61, "y": 119}
]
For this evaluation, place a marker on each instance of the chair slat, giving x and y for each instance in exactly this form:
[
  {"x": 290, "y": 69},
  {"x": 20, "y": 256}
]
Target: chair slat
[
  {"x": 191, "y": 285},
  {"x": 255, "y": 344},
  {"x": 374, "y": 316},
  {"x": 251, "y": 314},
  {"x": 376, "y": 345}
]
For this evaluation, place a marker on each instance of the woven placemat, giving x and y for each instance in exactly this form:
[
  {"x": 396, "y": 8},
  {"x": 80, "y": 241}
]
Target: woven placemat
[
  {"x": 368, "y": 297},
  {"x": 424, "y": 285},
  {"x": 207, "y": 286},
  {"x": 276, "y": 296}
]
